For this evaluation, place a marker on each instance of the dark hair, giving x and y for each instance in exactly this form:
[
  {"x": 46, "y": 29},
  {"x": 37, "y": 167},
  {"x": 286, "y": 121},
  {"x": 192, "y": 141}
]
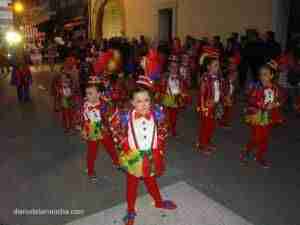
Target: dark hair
[
  {"x": 271, "y": 69},
  {"x": 207, "y": 62}
]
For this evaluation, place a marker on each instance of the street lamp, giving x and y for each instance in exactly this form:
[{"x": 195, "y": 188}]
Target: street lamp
[
  {"x": 18, "y": 7},
  {"x": 13, "y": 38}
]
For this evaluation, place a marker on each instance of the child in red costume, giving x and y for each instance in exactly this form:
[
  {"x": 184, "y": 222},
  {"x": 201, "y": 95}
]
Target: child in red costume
[
  {"x": 22, "y": 80},
  {"x": 229, "y": 91},
  {"x": 210, "y": 95},
  {"x": 141, "y": 134},
  {"x": 185, "y": 70},
  {"x": 173, "y": 95},
  {"x": 93, "y": 128},
  {"x": 65, "y": 91},
  {"x": 262, "y": 100}
]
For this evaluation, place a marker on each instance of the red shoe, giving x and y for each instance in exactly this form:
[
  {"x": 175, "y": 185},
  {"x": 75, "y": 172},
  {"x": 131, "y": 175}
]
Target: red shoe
[
  {"x": 168, "y": 205},
  {"x": 212, "y": 147},
  {"x": 204, "y": 149}
]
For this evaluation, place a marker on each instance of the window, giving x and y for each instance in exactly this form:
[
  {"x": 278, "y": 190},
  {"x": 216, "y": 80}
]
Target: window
[{"x": 4, "y": 3}]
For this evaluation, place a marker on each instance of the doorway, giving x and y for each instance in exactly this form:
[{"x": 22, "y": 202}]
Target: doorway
[
  {"x": 165, "y": 24},
  {"x": 113, "y": 19}
]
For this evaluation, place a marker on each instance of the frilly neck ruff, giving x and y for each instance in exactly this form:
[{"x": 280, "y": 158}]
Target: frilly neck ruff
[{"x": 156, "y": 110}]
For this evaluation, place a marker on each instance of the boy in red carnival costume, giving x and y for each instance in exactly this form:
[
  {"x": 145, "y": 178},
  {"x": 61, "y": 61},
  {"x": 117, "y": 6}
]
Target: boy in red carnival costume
[
  {"x": 22, "y": 79},
  {"x": 94, "y": 130},
  {"x": 173, "y": 96},
  {"x": 210, "y": 95},
  {"x": 65, "y": 96},
  {"x": 229, "y": 91},
  {"x": 140, "y": 133},
  {"x": 176, "y": 47},
  {"x": 262, "y": 100},
  {"x": 185, "y": 69}
]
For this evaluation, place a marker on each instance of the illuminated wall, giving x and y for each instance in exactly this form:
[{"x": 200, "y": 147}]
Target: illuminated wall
[
  {"x": 194, "y": 17},
  {"x": 113, "y": 21},
  {"x": 199, "y": 17}
]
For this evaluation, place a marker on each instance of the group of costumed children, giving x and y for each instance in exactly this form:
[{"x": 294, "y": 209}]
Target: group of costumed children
[{"x": 133, "y": 125}]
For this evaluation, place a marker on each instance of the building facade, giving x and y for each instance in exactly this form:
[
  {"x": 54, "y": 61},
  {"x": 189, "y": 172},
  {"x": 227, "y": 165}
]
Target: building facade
[
  {"x": 163, "y": 18},
  {"x": 6, "y": 15}
]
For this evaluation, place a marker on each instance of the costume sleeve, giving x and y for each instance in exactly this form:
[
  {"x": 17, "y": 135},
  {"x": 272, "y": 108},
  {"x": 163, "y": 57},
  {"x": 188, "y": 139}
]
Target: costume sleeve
[
  {"x": 84, "y": 119},
  {"x": 118, "y": 130},
  {"x": 280, "y": 96},
  {"x": 201, "y": 94},
  {"x": 256, "y": 99},
  {"x": 162, "y": 128}
]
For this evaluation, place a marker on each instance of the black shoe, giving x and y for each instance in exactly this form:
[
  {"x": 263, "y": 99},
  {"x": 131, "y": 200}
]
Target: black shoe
[{"x": 264, "y": 164}]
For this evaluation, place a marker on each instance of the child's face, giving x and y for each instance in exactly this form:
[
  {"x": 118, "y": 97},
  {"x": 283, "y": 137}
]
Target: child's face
[
  {"x": 92, "y": 94},
  {"x": 141, "y": 102},
  {"x": 174, "y": 76},
  {"x": 265, "y": 76},
  {"x": 214, "y": 67},
  {"x": 173, "y": 69},
  {"x": 233, "y": 76},
  {"x": 64, "y": 77}
]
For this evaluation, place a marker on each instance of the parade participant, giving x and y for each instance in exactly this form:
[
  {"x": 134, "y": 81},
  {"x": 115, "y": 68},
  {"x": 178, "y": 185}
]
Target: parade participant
[
  {"x": 229, "y": 91},
  {"x": 70, "y": 64},
  {"x": 206, "y": 51},
  {"x": 152, "y": 64},
  {"x": 210, "y": 95},
  {"x": 51, "y": 55},
  {"x": 65, "y": 92},
  {"x": 36, "y": 57},
  {"x": 297, "y": 105},
  {"x": 141, "y": 136},
  {"x": 176, "y": 47},
  {"x": 54, "y": 92},
  {"x": 22, "y": 79},
  {"x": 109, "y": 62},
  {"x": 262, "y": 100},
  {"x": 173, "y": 95},
  {"x": 85, "y": 70},
  {"x": 185, "y": 69},
  {"x": 94, "y": 130}
]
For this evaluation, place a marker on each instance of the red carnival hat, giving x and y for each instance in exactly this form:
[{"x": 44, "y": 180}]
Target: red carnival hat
[
  {"x": 209, "y": 51},
  {"x": 145, "y": 81},
  {"x": 94, "y": 80}
]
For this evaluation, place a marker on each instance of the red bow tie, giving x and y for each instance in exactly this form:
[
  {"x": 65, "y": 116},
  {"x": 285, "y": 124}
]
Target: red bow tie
[
  {"x": 139, "y": 115},
  {"x": 96, "y": 107}
]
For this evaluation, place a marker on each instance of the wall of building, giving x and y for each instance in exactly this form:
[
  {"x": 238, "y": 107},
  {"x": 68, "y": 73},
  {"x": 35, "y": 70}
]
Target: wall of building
[{"x": 198, "y": 17}]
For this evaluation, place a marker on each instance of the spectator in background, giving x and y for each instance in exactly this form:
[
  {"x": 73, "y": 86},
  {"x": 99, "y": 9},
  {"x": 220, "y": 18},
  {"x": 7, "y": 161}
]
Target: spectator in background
[
  {"x": 254, "y": 53},
  {"x": 273, "y": 48},
  {"x": 218, "y": 44}
]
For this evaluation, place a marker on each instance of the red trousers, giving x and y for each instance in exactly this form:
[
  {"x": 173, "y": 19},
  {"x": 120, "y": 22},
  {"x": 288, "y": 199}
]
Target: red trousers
[
  {"x": 206, "y": 129},
  {"x": 92, "y": 152},
  {"x": 172, "y": 115},
  {"x": 260, "y": 136},
  {"x": 227, "y": 116},
  {"x": 132, "y": 191},
  {"x": 67, "y": 116}
]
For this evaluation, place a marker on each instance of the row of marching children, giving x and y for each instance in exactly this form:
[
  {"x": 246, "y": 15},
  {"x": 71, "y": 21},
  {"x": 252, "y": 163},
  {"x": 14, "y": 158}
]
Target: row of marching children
[{"x": 132, "y": 116}]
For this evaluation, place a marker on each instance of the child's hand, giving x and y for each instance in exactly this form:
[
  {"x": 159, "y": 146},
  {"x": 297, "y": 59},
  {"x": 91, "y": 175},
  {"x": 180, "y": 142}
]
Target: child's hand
[
  {"x": 270, "y": 106},
  {"x": 210, "y": 104},
  {"x": 84, "y": 135}
]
